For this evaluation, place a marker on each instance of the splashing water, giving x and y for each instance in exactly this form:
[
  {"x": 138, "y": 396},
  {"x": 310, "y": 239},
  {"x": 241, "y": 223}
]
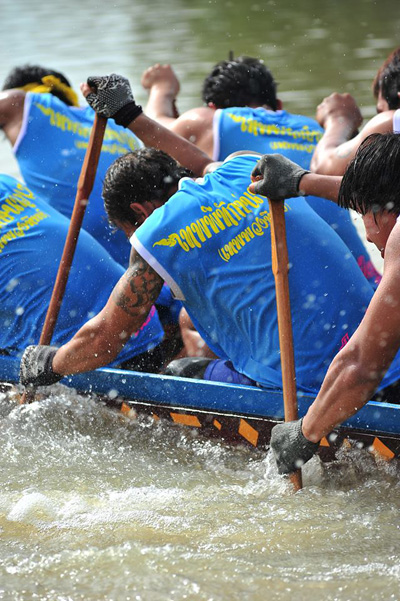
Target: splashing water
[{"x": 94, "y": 505}]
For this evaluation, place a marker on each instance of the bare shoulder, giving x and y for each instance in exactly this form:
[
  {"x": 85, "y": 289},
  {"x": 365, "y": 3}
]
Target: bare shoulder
[
  {"x": 194, "y": 120},
  {"x": 11, "y": 112},
  {"x": 11, "y": 100},
  {"x": 196, "y": 126}
]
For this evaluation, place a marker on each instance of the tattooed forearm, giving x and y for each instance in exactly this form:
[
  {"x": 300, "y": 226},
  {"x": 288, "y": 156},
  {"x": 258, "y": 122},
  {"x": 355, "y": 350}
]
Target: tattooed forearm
[{"x": 138, "y": 288}]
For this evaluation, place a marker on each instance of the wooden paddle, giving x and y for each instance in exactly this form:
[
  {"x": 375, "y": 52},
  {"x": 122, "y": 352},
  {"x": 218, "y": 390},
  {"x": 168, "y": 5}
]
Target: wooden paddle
[
  {"x": 280, "y": 268},
  {"x": 85, "y": 185}
]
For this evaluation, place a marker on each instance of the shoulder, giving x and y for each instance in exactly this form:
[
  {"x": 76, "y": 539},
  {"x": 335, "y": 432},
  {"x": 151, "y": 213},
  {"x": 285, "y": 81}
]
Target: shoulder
[
  {"x": 381, "y": 123},
  {"x": 198, "y": 118},
  {"x": 11, "y": 104}
]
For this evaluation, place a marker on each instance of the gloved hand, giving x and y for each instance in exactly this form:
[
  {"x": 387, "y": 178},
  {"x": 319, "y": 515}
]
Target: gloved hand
[
  {"x": 280, "y": 177},
  {"x": 36, "y": 366},
  {"x": 291, "y": 448},
  {"x": 113, "y": 98}
]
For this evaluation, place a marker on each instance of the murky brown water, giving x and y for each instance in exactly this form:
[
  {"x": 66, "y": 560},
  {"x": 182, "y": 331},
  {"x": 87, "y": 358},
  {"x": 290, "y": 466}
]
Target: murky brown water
[{"x": 96, "y": 507}]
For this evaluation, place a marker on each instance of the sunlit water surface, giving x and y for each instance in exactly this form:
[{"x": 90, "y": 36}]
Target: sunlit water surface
[{"x": 94, "y": 506}]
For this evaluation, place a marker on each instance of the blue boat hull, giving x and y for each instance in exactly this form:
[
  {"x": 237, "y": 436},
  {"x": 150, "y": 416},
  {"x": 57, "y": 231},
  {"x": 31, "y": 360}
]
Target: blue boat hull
[{"x": 235, "y": 413}]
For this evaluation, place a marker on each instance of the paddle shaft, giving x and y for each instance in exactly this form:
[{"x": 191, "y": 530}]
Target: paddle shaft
[
  {"x": 280, "y": 268},
  {"x": 85, "y": 186}
]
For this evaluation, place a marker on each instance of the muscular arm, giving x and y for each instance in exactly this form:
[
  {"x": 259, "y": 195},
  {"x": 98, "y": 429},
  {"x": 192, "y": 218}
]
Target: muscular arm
[
  {"x": 359, "y": 367},
  {"x": 100, "y": 340},
  {"x": 335, "y": 149},
  {"x": 182, "y": 150},
  {"x": 11, "y": 113}
]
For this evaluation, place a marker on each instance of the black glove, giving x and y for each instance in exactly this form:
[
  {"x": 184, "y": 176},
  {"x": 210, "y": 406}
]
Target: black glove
[
  {"x": 280, "y": 177},
  {"x": 113, "y": 98},
  {"x": 290, "y": 447},
  {"x": 36, "y": 366}
]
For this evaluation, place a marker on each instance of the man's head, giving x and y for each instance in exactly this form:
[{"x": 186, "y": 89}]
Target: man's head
[
  {"x": 137, "y": 183},
  {"x": 386, "y": 85},
  {"x": 371, "y": 186},
  {"x": 243, "y": 81},
  {"x": 29, "y": 76}
]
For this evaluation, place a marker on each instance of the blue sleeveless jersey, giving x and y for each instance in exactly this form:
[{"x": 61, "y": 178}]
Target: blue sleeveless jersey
[
  {"x": 211, "y": 242},
  {"x": 32, "y": 236},
  {"x": 50, "y": 152},
  {"x": 295, "y": 137}
]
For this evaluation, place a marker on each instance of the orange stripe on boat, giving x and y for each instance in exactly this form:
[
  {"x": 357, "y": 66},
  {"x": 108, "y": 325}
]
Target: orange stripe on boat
[
  {"x": 186, "y": 420},
  {"x": 248, "y": 432},
  {"x": 125, "y": 409},
  {"x": 382, "y": 449}
]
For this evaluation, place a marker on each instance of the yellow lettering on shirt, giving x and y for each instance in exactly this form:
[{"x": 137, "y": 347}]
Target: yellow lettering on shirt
[
  {"x": 18, "y": 201},
  {"x": 115, "y": 142},
  {"x": 217, "y": 218},
  {"x": 310, "y": 137}
]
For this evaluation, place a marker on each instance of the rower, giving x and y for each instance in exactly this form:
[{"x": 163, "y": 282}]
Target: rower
[
  {"x": 41, "y": 117},
  {"x": 216, "y": 257},
  {"x": 242, "y": 111},
  {"x": 49, "y": 132},
  {"x": 340, "y": 117},
  {"x": 32, "y": 235},
  {"x": 370, "y": 186}
]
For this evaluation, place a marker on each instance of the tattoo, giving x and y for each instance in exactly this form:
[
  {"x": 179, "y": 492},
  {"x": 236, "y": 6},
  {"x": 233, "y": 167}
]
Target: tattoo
[{"x": 138, "y": 289}]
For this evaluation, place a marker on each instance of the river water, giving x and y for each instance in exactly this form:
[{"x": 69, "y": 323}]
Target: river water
[{"x": 94, "y": 506}]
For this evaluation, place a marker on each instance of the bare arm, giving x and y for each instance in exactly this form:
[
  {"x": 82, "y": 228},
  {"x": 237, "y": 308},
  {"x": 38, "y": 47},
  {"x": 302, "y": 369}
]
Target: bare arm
[
  {"x": 324, "y": 186},
  {"x": 11, "y": 113},
  {"x": 163, "y": 86},
  {"x": 195, "y": 125},
  {"x": 359, "y": 367},
  {"x": 194, "y": 344},
  {"x": 100, "y": 340},
  {"x": 340, "y": 117},
  {"x": 277, "y": 177},
  {"x": 156, "y": 135}
]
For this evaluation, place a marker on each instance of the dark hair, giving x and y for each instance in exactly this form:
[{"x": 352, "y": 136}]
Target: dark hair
[
  {"x": 240, "y": 82},
  {"x": 145, "y": 174},
  {"x": 372, "y": 179},
  {"x": 387, "y": 80},
  {"x": 21, "y": 76}
]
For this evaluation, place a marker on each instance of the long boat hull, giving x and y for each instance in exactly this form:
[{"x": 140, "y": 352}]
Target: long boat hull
[{"x": 240, "y": 414}]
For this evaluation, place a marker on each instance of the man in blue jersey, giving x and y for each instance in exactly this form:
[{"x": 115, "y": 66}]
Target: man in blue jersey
[
  {"x": 243, "y": 112},
  {"x": 371, "y": 187},
  {"x": 49, "y": 132},
  {"x": 210, "y": 241},
  {"x": 32, "y": 236}
]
